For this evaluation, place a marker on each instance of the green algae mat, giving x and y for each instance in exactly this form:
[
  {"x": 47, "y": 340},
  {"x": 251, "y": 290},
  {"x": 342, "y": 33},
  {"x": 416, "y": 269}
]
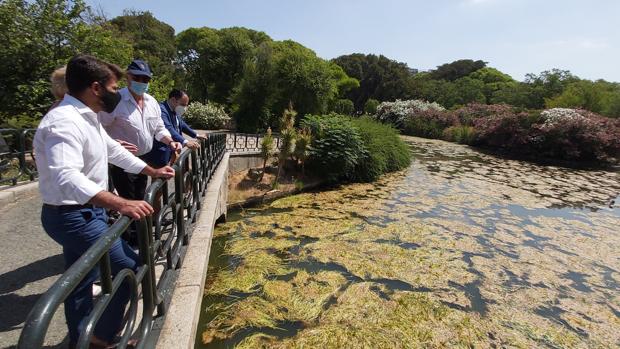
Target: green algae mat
[{"x": 462, "y": 249}]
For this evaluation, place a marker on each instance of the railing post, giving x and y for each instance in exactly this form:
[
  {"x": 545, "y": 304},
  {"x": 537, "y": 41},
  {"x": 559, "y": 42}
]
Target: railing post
[{"x": 180, "y": 201}]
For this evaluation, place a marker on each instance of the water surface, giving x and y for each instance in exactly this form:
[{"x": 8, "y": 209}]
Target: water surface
[{"x": 461, "y": 249}]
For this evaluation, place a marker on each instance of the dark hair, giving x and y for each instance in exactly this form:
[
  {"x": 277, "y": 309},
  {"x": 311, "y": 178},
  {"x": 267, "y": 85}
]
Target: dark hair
[
  {"x": 176, "y": 93},
  {"x": 83, "y": 70}
]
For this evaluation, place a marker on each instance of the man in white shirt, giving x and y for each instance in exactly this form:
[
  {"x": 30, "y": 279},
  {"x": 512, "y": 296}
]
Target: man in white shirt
[
  {"x": 73, "y": 151},
  {"x": 135, "y": 122}
]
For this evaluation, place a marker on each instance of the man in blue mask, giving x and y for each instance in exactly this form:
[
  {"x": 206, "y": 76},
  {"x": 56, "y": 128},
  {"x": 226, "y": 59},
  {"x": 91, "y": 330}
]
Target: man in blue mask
[
  {"x": 134, "y": 123},
  {"x": 172, "y": 111}
]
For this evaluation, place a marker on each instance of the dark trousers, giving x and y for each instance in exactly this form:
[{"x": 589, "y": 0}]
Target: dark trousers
[
  {"x": 128, "y": 185},
  {"x": 133, "y": 187},
  {"x": 77, "y": 229}
]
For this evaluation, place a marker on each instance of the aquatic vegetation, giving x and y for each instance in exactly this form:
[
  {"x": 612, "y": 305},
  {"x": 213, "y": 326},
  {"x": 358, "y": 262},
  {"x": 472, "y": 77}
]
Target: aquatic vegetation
[{"x": 460, "y": 250}]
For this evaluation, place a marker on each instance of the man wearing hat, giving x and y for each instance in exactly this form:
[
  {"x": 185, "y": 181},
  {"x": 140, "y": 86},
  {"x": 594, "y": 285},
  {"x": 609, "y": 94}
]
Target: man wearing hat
[{"x": 134, "y": 123}]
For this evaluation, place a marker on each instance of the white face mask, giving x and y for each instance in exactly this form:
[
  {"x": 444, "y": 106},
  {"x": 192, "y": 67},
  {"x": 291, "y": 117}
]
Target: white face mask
[{"x": 180, "y": 110}]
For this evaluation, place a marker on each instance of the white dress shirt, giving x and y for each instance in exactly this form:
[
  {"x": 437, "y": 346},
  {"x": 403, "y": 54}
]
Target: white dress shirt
[
  {"x": 128, "y": 123},
  {"x": 72, "y": 153}
]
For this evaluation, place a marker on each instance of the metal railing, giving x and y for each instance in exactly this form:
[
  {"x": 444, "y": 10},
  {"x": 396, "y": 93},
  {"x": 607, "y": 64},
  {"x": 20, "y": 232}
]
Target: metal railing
[
  {"x": 247, "y": 142},
  {"x": 162, "y": 240},
  {"x": 16, "y": 155}
]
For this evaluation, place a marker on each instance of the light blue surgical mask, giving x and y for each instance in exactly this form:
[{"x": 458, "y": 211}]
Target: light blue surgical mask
[{"x": 139, "y": 88}]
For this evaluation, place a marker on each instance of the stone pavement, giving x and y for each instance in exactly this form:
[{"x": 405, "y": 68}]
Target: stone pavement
[{"x": 30, "y": 262}]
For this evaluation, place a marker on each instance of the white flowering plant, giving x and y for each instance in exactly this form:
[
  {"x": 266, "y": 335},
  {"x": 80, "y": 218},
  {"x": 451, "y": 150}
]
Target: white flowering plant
[
  {"x": 208, "y": 116},
  {"x": 398, "y": 111},
  {"x": 552, "y": 117}
]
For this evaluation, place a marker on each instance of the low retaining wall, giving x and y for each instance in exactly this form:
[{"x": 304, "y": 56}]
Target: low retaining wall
[
  {"x": 181, "y": 322},
  {"x": 244, "y": 161},
  {"x": 11, "y": 194}
]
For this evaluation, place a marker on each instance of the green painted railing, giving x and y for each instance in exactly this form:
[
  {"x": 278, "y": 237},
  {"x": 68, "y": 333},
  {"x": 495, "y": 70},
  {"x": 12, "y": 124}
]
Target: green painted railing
[
  {"x": 162, "y": 240},
  {"x": 16, "y": 155}
]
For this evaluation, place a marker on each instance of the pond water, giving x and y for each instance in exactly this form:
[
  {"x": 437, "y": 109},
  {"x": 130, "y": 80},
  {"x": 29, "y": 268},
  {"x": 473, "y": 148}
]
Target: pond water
[{"x": 461, "y": 249}]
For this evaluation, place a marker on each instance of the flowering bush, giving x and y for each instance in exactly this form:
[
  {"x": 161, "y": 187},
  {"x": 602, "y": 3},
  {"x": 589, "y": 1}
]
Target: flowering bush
[
  {"x": 554, "y": 116},
  {"x": 397, "y": 112},
  {"x": 467, "y": 114},
  {"x": 208, "y": 116},
  {"x": 577, "y": 135},
  {"x": 429, "y": 123},
  {"x": 559, "y": 133},
  {"x": 508, "y": 130}
]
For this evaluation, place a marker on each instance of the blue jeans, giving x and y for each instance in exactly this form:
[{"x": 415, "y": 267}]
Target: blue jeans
[{"x": 77, "y": 229}]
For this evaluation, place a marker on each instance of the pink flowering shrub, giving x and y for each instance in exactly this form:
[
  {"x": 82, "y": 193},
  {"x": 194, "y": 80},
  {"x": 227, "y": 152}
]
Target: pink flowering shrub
[
  {"x": 473, "y": 111},
  {"x": 559, "y": 133},
  {"x": 588, "y": 137},
  {"x": 507, "y": 130},
  {"x": 428, "y": 123}
]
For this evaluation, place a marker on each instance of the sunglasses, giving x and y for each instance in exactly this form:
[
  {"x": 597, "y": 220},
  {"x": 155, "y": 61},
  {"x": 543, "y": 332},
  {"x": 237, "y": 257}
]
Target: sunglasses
[{"x": 141, "y": 78}]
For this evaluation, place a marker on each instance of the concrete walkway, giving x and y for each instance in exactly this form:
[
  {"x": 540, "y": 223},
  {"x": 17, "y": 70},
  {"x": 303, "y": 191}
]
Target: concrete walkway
[{"x": 30, "y": 262}]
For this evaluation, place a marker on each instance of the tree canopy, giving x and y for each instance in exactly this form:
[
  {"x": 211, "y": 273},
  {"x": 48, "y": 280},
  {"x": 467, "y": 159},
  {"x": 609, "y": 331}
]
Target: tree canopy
[
  {"x": 379, "y": 77},
  {"x": 40, "y": 36},
  {"x": 252, "y": 76}
]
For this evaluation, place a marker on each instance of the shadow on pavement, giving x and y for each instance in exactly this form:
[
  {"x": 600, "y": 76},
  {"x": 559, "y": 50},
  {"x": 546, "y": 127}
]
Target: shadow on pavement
[{"x": 15, "y": 307}]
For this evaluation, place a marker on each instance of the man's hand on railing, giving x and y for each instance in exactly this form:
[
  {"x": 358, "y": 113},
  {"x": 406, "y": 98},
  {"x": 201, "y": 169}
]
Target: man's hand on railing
[
  {"x": 175, "y": 146},
  {"x": 192, "y": 145},
  {"x": 135, "y": 209},
  {"x": 162, "y": 172}
]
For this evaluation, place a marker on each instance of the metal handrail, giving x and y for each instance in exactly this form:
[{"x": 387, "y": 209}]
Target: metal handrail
[
  {"x": 19, "y": 145},
  {"x": 237, "y": 142},
  {"x": 193, "y": 170}
]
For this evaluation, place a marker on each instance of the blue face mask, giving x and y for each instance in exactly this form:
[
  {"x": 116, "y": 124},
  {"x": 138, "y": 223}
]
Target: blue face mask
[{"x": 139, "y": 88}]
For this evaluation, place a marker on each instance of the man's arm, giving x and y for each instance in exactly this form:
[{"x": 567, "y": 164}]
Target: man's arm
[
  {"x": 184, "y": 127},
  {"x": 163, "y": 135},
  {"x": 135, "y": 209},
  {"x": 121, "y": 157},
  {"x": 167, "y": 119}
]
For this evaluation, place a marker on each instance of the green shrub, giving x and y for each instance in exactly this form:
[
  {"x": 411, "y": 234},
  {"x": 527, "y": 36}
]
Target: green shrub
[
  {"x": 460, "y": 134},
  {"x": 343, "y": 107},
  {"x": 354, "y": 149},
  {"x": 370, "y": 107},
  {"x": 422, "y": 127},
  {"x": 336, "y": 146},
  {"x": 208, "y": 116},
  {"x": 385, "y": 151}
]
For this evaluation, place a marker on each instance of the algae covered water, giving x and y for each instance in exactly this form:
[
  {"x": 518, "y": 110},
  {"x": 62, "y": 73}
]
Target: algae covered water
[{"x": 462, "y": 249}]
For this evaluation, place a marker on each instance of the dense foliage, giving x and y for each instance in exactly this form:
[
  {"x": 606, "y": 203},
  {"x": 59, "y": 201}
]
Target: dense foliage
[
  {"x": 385, "y": 151},
  {"x": 345, "y": 148},
  {"x": 559, "y": 133},
  {"x": 40, "y": 36},
  {"x": 379, "y": 77},
  {"x": 254, "y": 77}
]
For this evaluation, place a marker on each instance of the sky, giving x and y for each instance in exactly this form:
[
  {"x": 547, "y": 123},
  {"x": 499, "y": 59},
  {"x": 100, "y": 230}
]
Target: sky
[{"x": 514, "y": 36}]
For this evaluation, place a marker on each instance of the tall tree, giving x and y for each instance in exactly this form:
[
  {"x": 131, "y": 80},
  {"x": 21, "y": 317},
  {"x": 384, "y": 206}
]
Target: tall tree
[
  {"x": 39, "y": 36},
  {"x": 215, "y": 60},
  {"x": 457, "y": 69},
  {"x": 151, "y": 39},
  {"x": 379, "y": 77},
  {"x": 281, "y": 72}
]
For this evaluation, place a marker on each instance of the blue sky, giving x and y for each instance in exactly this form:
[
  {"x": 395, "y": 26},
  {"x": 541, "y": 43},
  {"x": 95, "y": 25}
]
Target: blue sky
[{"x": 515, "y": 36}]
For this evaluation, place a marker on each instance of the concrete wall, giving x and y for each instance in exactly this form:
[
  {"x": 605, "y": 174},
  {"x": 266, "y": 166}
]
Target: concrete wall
[
  {"x": 181, "y": 321},
  {"x": 244, "y": 161}
]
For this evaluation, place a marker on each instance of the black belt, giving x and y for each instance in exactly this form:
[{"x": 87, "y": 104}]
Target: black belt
[{"x": 69, "y": 207}]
